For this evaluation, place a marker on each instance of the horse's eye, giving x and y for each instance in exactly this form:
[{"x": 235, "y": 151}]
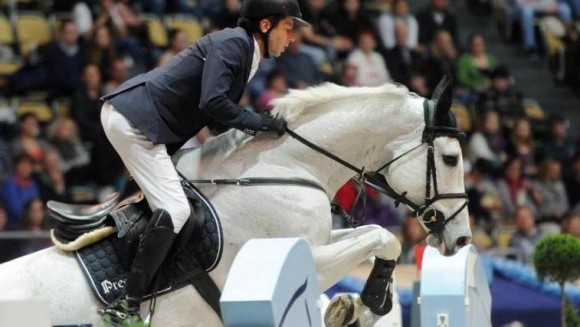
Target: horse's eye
[{"x": 450, "y": 160}]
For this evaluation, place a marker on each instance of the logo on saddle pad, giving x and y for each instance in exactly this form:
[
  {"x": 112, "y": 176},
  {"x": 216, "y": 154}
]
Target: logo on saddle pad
[{"x": 109, "y": 286}]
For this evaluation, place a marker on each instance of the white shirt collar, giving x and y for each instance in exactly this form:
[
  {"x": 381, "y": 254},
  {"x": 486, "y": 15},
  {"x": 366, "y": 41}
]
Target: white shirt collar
[{"x": 255, "y": 59}]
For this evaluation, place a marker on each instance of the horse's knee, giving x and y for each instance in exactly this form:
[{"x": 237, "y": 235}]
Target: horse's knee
[{"x": 390, "y": 248}]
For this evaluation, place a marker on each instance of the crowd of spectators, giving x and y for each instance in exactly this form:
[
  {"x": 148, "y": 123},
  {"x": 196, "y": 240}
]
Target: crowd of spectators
[{"x": 515, "y": 166}]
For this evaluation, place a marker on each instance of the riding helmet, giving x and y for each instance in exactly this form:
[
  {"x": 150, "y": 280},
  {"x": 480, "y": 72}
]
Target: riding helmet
[{"x": 255, "y": 9}]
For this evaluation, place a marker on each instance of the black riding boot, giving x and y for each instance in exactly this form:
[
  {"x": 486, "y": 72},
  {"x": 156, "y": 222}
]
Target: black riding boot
[{"x": 153, "y": 247}]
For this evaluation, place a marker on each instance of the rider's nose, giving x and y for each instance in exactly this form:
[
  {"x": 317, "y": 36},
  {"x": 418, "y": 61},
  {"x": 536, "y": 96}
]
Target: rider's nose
[{"x": 463, "y": 241}]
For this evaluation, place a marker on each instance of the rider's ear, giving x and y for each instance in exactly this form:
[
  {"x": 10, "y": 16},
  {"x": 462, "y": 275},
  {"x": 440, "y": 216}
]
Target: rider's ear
[
  {"x": 443, "y": 97},
  {"x": 265, "y": 25}
]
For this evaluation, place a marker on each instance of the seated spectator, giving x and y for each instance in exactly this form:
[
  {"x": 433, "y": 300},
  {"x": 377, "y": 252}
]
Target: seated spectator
[
  {"x": 488, "y": 142},
  {"x": 321, "y": 41},
  {"x": 503, "y": 97},
  {"x": 29, "y": 140},
  {"x": 402, "y": 59},
  {"x": 64, "y": 60},
  {"x": 521, "y": 144},
  {"x": 558, "y": 145},
  {"x": 5, "y": 161},
  {"x": 571, "y": 223},
  {"x": 101, "y": 50},
  {"x": 527, "y": 235},
  {"x": 553, "y": 202},
  {"x": 86, "y": 111},
  {"x": 299, "y": 68},
  {"x": 50, "y": 178},
  {"x": 474, "y": 67},
  {"x": 118, "y": 74},
  {"x": 484, "y": 203},
  {"x": 528, "y": 10},
  {"x": 275, "y": 88},
  {"x": 441, "y": 59},
  {"x": 34, "y": 219},
  {"x": 74, "y": 158},
  {"x": 348, "y": 75},
  {"x": 18, "y": 189},
  {"x": 388, "y": 20},
  {"x": 371, "y": 67},
  {"x": 177, "y": 42},
  {"x": 418, "y": 84},
  {"x": 515, "y": 189},
  {"x": 413, "y": 237},
  {"x": 348, "y": 21},
  {"x": 434, "y": 18}
]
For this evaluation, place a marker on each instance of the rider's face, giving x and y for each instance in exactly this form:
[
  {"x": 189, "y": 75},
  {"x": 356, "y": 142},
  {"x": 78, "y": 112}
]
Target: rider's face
[{"x": 281, "y": 36}]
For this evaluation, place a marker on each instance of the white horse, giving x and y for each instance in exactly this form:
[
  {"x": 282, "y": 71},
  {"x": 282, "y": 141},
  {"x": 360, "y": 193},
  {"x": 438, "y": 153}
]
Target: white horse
[{"x": 365, "y": 127}]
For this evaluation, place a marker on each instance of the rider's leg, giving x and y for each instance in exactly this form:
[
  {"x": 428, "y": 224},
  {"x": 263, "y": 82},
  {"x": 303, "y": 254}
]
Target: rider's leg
[{"x": 153, "y": 170}]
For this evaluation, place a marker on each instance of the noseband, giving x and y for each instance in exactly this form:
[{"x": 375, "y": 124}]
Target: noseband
[{"x": 432, "y": 218}]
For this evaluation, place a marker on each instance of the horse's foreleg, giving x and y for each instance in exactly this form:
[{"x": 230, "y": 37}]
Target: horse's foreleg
[{"x": 349, "y": 248}]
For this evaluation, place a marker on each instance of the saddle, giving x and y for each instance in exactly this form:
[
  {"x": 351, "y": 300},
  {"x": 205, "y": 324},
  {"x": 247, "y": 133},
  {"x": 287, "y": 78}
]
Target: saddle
[{"x": 106, "y": 257}]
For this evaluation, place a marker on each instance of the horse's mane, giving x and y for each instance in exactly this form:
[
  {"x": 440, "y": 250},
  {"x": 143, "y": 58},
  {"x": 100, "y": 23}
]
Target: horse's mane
[{"x": 292, "y": 105}]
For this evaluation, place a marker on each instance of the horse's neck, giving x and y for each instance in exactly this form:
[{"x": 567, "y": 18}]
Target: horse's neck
[{"x": 362, "y": 137}]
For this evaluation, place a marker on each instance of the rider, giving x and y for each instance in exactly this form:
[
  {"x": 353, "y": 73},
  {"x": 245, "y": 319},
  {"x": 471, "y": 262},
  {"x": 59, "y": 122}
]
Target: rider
[{"x": 150, "y": 116}]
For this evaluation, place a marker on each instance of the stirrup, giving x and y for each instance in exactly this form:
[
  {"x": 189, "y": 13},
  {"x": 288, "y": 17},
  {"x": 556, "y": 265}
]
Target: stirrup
[{"x": 121, "y": 314}]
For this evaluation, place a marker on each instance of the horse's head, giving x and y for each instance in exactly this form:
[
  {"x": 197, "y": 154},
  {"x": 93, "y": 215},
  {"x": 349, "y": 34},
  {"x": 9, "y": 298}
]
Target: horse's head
[{"x": 428, "y": 176}]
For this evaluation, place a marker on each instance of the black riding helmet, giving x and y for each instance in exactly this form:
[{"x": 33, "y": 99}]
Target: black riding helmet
[
  {"x": 258, "y": 9},
  {"x": 253, "y": 11}
]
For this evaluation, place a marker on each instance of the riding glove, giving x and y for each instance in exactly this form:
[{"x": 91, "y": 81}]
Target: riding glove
[{"x": 273, "y": 124}]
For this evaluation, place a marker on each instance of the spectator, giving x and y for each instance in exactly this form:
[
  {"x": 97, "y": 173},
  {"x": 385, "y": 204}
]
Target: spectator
[
  {"x": 5, "y": 161},
  {"x": 74, "y": 158},
  {"x": 29, "y": 140},
  {"x": 433, "y": 19},
  {"x": 275, "y": 88},
  {"x": 86, "y": 110},
  {"x": 558, "y": 145},
  {"x": 475, "y": 67},
  {"x": 488, "y": 142},
  {"x": 484, "y": 203},
  {"x": 299, "y": 68},
  {"x": 413, "y": 236},
  {"x": 64, "y": 60},
  {"x": 441, "y": 59},
  {"x": 348, "y": 75},
  {"x": 571, "y": 223},
  {"x": 50, "y": 178},
  {"x": 321, "y": 41},
  {"x": 34, "y": 219},
  {"x": 399, "y": 15},
  {"x": 418, "y": 84},
  {"x": 515, "y": 189},
  {"x": 553, "y": 202},
  {"x": 528, "y": 10},
  {"x": 522, "y": 145},
  {"x": 527, "y": 235},
  {"x": 503, "y": 97},
  {"x": 402, "y": 59},
  {"x": 371, "y": 67},
  {"x": 101, "y": 51},
  {"x": 177, "y": 42},
  {"x": 118, "y": 75},
  {"x": 348, "y": 21},
  {"x": 19, "y": 188},
  {"x": 7, "y": 247}
]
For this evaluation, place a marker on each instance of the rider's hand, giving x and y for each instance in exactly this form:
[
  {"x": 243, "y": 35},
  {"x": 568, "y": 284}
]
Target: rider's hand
[{"x": 273, "y": 124}]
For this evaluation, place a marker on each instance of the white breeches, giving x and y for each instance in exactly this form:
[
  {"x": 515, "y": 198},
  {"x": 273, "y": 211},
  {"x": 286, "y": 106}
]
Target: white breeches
[{"x": 149, "y": 164}]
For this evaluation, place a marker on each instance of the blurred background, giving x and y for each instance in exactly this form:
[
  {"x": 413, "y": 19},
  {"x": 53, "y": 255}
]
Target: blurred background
[{"x": 516, "y": 71}]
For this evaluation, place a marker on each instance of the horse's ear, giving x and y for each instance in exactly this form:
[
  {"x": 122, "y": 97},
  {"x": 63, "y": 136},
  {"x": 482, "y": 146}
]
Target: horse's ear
[{"x": 443, "y": 98}]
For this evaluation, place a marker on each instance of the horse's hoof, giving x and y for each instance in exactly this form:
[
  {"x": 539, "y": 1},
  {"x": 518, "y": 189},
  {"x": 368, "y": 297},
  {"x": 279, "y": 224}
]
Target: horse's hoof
[{"x": 340, "y": 311}]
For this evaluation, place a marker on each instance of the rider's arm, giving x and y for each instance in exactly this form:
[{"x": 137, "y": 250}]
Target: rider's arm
[{"x": 223, "y": 63}]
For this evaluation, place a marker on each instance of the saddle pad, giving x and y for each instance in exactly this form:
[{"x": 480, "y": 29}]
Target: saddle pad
[{"x": 107, "y": 270}]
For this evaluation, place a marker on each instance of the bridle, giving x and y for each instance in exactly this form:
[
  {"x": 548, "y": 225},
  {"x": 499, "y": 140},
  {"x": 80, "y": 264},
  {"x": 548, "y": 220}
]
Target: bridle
[{"x": 432, "y": 218}]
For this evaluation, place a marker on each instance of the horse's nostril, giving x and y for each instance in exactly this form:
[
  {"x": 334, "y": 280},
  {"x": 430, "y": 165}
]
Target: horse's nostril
[{"x": 463, "y": 241}]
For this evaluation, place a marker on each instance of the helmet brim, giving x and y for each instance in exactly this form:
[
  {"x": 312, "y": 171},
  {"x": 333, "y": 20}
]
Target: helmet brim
[{"x": 299, "y": 22}]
